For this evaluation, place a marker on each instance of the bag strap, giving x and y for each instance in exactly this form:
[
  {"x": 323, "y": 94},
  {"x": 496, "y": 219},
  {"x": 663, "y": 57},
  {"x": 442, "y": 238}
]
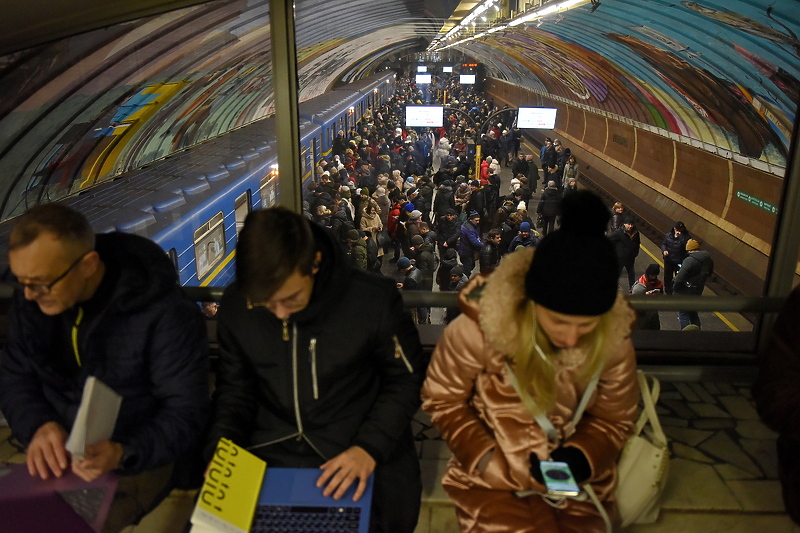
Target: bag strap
[
  {"x": 539, "y": 414},
  {"x": 649, "y": 399}
]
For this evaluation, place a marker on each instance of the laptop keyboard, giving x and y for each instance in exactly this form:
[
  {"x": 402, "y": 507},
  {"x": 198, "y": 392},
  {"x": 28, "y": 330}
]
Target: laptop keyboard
[
  {"x": 305, "y": 519},
  {"x": 85, "y": 502}
]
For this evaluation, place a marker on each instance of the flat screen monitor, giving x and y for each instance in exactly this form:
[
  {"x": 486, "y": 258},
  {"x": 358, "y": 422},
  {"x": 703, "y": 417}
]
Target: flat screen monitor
[
  {"x": 422, "y": 68},
  {"x": 424, "y": 116},
  {"x": 537, "y": 117},
  {"x": 423, "y": 78},
  {"x": 467, "y": 79},
  {"x": 447, "y": 69}
]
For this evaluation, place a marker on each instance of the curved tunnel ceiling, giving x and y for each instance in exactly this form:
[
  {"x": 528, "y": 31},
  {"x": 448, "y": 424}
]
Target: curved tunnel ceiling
[
  {"x": 83, "y": 109},
  {"x": 725, "y": 75}
]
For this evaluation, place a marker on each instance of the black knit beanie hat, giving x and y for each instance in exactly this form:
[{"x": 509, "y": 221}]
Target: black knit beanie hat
[{"x": 574, "y": 269}]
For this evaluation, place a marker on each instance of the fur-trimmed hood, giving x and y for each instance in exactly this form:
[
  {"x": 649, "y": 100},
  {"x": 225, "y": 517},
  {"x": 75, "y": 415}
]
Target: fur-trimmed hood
[{"x": 495, "y": 302}]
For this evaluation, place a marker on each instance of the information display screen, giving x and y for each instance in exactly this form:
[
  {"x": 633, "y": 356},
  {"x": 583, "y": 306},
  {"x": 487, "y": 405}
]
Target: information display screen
[
  {"x": 422, "y": 68},
  {"x": 424, "y": 116},
  {"x": 423, "y": 78},
  {"x": 467, "y": 79},
  {"x": 537, "y": 117},
  {"x": 447, "y": 69}
]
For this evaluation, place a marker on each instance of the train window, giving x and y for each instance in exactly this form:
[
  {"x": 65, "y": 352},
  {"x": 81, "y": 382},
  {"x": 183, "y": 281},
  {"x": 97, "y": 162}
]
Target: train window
[
  {"x": 268, "y": 191},
  {"x": 209, "y": 245},
  {"x": 304, "y": 159},
  {"x": 241, "y": 208}
]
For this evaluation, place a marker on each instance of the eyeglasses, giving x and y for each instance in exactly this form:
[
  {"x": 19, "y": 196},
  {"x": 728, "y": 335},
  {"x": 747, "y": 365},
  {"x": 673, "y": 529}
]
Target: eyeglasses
[{"x": 45, "y": 288}]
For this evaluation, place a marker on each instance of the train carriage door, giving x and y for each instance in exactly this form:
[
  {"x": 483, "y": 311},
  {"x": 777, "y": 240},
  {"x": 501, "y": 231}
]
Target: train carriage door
[
  {"x": 268, "y": 190},
  {"x": 304, "y": 158},
  {"x": 241, "y": 208},
  {"x": 209, "y": 245},
  {"x": 315, "y": 155}
]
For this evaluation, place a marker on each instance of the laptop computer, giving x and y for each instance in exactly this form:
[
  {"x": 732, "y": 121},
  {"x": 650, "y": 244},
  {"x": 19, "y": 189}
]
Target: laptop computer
[
  {"x": 291, "y": 501},
  {"x": 30, "y": 504},
  {"x": 240, "y": 495}
]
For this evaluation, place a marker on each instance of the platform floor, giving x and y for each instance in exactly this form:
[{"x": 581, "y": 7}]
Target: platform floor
[{"x": 723, "y": 469}]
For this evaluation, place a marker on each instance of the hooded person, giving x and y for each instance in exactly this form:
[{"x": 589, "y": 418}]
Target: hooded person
[{"x": 524, "y": 349}]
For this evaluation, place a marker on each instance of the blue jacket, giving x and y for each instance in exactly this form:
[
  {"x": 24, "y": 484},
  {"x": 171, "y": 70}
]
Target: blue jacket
[
  {"x": 470, "y": 238},
  {"x": 148, "y": 343}
]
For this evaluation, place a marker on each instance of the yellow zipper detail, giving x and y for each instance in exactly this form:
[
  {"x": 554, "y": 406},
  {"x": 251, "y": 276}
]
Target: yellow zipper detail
[
  {"x": 286, "y": 329},
  {"x": 75, "y": 336}
]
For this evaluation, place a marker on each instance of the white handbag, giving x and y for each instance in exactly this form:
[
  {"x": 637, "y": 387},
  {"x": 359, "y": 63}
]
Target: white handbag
[{"x": 644, "y": 463}]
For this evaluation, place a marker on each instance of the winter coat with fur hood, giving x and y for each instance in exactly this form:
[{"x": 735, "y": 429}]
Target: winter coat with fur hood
[{"x": 473, "y": 403}]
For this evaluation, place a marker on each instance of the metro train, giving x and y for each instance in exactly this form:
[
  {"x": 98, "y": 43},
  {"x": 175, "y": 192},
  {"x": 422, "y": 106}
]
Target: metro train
[{"x": 193, "y": 203}]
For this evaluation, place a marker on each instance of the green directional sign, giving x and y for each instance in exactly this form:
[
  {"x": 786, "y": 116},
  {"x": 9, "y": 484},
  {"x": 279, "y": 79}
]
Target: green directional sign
[{"x": 758, "y": 202}]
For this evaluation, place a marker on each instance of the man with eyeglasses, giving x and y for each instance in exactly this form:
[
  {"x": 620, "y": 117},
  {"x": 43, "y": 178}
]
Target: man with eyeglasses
[
  {"x": 108, "y": 306},
  {"x": 319, "y": 367}
]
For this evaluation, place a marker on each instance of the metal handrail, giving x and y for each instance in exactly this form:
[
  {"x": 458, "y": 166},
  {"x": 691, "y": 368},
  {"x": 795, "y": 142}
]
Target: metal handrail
[{"x": 730, "y": 304}]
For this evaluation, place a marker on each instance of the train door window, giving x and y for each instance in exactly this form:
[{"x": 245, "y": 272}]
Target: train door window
[
  {"x": 268, "y": 190},
  {"x": 241, "y": 207},
  {"x": 209, "y": 245},
  {"x": 341, "y": 125}
]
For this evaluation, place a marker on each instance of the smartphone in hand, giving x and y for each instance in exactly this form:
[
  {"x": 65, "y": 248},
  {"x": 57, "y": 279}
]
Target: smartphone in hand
[{"x": 558, "y": 479}]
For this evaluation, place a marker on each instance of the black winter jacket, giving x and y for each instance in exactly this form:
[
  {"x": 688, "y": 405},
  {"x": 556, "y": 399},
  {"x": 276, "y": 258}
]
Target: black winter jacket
[
  {"x": 676, "y": 246},
  {"x": 300, "y": 391},
  {"x": 148, "y": 343}
]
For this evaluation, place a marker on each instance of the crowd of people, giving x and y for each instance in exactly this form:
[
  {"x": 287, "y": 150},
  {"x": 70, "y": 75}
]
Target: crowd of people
[{"x": 419, "y": 198}]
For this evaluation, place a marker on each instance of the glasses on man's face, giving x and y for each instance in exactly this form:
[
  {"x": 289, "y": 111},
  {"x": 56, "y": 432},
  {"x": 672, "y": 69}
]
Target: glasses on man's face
[{"x": 45, "y": 288}]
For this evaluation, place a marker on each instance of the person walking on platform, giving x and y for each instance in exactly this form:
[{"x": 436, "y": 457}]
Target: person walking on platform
[
  {"x": 691, "y": 279},
  {"x": 673, "y": 248},
  {"x": 520, "y": 166},
  {"x": 627, "y": 244},
  {"x": 470, "y": 242},
  {"x": 549, "y": 207},
  {"x": 490, "y": 252},
  {"x": 356, "y": 384},
  {"x": 532, "y": 174}
]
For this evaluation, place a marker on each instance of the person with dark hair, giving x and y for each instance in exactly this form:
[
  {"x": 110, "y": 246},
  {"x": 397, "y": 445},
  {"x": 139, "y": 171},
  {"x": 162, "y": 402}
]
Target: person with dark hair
[
  {"x": 649, "y": 285},
  {"x": 777, "y": 398},
  {"x": 627, "y": 242},
  {"x": 490, "y": 252},
  {"x": 508, "y": 374},
  {"x": 108, "y": 306},
  {"x": 348, "y": 408},
  {"x": 673, "y": 248},
  {"x": 470, "y": 242}
]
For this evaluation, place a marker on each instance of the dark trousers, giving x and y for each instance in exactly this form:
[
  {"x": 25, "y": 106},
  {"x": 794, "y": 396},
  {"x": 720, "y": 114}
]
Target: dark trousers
[
  {"x": 468, "y": 262},
  {"x": 688, "y": 317},
  {"x": 628, "y": 265},
  {"x": 548, "y": 225},
  {"x": 670, "y": 269}
]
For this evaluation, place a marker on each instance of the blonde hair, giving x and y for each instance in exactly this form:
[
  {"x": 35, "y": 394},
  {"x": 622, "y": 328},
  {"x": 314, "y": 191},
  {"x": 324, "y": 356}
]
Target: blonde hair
[
  {"x": 618, "y": 205},
  {"x": 535, "y": 358}
]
